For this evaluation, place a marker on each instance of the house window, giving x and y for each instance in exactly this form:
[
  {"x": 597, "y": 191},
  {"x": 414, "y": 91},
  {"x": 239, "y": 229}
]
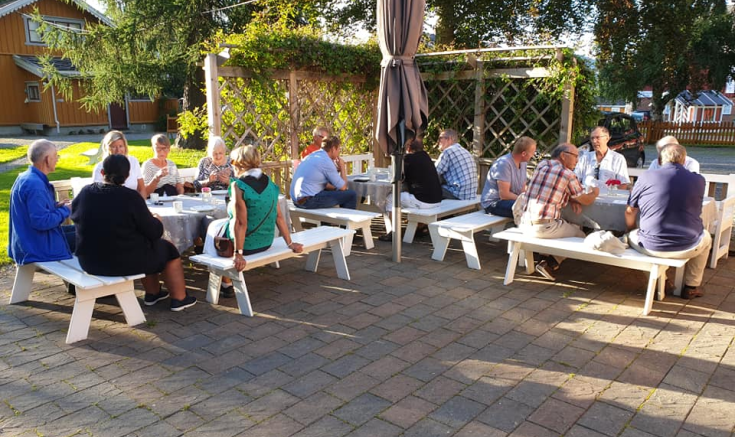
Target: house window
[
  {"x": 32, "y": 35},
  {"x": 33, "y": 92},
  {"x": 727, "y": 110},
  {"x": 730, "y": 86}
]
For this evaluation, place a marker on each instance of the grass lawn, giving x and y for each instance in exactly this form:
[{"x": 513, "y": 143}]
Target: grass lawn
[
  {"x": 72, "y": 164},
  {"x": 11, "y": 154}
]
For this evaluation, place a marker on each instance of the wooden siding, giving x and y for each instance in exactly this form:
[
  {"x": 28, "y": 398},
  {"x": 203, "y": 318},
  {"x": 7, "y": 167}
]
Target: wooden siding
[
  {"x": 12, "y": 27},
  {"x": 145, "y": 111}
]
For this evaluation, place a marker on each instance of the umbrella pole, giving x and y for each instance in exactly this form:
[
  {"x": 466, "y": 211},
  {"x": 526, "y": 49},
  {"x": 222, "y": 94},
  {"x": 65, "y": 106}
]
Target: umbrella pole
[{"x": 397, "y": 177}]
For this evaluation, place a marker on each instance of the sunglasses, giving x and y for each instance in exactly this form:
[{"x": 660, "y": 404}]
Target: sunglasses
[{"x": 597, "y": 172}]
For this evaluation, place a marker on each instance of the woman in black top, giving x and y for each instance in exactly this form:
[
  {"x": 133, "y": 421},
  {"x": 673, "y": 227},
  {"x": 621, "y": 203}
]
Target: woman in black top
[{"x": 118, "y": 236}]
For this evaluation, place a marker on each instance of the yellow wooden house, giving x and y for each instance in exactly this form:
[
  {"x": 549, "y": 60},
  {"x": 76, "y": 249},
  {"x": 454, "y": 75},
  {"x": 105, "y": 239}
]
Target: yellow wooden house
[{"x": 25, "y": 104}]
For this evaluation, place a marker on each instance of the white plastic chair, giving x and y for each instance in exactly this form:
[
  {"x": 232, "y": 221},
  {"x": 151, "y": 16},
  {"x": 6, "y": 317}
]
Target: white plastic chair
[{"x": 723, "y": 231}]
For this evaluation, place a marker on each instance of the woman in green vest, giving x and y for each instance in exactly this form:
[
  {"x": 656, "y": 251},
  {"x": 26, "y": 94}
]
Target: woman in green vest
[{"x": 253, "y": 210}]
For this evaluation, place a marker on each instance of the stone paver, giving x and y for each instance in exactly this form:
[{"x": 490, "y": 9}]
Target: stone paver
[{"x": 421, "y": 348}]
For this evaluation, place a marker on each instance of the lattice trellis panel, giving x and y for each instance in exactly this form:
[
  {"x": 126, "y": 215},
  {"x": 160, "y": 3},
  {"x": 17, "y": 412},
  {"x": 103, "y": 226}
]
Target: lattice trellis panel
[
  {"x": 516, "y": 108},
  {"x": 345, "y": 108},
  {"x": 451, "y": 106},
  {"x": 265, "y": 124}
]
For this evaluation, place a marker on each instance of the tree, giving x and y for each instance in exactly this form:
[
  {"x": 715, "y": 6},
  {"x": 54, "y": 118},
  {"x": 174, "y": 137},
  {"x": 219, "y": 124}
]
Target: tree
[
  {"x": 668, "y": 45},
  {"x": 474, "y": 23},
  {"x": 153, "y": 46}
]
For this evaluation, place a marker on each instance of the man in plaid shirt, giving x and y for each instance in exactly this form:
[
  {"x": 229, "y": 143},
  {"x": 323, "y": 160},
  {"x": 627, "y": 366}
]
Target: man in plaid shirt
[
  {"x": 552, "y": 186},
  {"x": 456, "y": 167}
]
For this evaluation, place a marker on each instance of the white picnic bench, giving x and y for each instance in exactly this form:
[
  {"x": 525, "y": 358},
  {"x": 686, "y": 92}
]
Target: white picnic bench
[
  {"x": 349, "y": 218},
  {"x": 88, "y": 289},
  {"x": 447, "y": 207},
  {"x": 463, "y": 228},
  {"x": 574, "y": 247},
  {"x": 314, "y": 240}
]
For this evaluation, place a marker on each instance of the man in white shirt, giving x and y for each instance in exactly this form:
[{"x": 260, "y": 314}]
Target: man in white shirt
[
  {"x": 690, "y": 163},
  {"x": 601, "y": 164}
]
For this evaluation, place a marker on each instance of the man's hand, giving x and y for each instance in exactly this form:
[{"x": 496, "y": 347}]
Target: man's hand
[
  {"x": 65, "y": 202},
  {"x": 577, "y": 208}
]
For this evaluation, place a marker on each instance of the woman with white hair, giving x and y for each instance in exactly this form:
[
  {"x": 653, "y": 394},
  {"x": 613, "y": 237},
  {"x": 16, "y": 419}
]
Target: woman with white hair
[
  {"x": 215, "y": 169},
  {"x": 114, "y": 143}
]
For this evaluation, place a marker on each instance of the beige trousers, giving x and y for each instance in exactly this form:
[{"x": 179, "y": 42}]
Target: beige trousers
[
  {"x": 556, "y": 229},
  {"x": 697, "y": 256}
]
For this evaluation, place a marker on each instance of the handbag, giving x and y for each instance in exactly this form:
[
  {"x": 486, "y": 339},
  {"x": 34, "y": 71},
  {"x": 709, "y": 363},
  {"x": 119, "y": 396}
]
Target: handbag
[{"x": 226, "y": 247}]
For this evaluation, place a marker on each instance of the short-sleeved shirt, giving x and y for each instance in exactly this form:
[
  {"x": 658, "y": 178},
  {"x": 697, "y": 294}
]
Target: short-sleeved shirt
[
  {"x": 503, "y": 169},
  {"x": 132, "y": 180},
  {"x": 613, "y": 166},
  {"x": 670, "y": 204},
  {"x": 313, "y": 174},
  {"x": 311, "y": 148},
  {"x": 690, "y": 164},
  {"x": 458, "y": 168},
  {"x": 550, "y": 189},
  {"x": 172, "y": 178}
]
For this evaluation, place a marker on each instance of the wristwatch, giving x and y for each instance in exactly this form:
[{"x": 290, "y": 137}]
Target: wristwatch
[{"x": 239, "y": 251}]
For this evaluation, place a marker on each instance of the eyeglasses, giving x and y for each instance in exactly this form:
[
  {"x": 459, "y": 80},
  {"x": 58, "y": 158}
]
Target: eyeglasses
[
  {"x": 597, "y": 172},
  {"x": 443, "y": 138},
  {"x": 598, "y": 137},
  {"x": 162, "y": 147},
  {"x": 570, "y": 153}
]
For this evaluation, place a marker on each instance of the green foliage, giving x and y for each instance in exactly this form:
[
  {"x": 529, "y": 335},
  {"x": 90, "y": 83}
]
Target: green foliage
[
  {"x": 73, "y": 164},
  {"x": 670, "y": 46},
  {"x": 265, "y": 47}
]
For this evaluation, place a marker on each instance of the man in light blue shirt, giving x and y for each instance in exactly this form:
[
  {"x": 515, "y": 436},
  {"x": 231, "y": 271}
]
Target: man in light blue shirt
[
  {"x": 456, "y": 167},
  {"x": 690, "y": 163},
  {"x": 320, "y": 181},
  {"x": 506, "y": 179}
]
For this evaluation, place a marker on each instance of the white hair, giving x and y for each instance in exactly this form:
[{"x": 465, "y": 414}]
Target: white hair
[
  {"x": 39, "y": 149},
  {"x": 213, "y": 143},
  {"x": 665, "y": 141}
]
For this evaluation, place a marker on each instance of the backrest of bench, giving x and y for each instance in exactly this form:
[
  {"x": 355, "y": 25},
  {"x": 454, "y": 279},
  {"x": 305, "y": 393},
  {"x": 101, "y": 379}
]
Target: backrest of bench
[{"x": 357, "y": 164}]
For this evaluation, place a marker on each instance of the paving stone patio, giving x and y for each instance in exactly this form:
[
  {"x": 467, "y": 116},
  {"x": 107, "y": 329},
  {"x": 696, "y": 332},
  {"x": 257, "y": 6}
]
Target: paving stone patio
[{"x": 420, "y": 348}]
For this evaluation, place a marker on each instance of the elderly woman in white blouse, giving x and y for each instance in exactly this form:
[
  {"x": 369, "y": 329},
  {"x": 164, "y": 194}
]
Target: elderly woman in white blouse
[
  {"x": 160, "y": 173},
  {"x": 114, "y": 143},
  {"x": 215, "y": 169}
]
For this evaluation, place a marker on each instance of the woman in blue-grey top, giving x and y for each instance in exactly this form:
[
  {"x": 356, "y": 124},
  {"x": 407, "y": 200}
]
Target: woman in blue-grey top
[
  {"x": 215, "y": 169},
  {"x": 253, "y": 210},
  {"x": 506, "y": 179}
]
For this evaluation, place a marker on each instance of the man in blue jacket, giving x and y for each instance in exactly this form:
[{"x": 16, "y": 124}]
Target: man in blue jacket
[{"x": 35, "y": 231}]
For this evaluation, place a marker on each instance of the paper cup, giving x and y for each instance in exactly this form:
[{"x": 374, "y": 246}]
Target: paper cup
[
  {"x": 178, "y": 205},
  {"x": 154, "y": 197}
]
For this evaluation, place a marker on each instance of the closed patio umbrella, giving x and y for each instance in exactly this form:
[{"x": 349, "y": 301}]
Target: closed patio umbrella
[{"x": 402, "y": 99}]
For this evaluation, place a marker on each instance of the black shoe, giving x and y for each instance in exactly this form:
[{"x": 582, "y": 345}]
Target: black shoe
[
  {"x": 543, "y": 268},
  {"x": 180, "y": 305},
  {"x": 386, "y": 237},
  {"x": 152, "y": 299},
  {"x": 227, "y": 292}
]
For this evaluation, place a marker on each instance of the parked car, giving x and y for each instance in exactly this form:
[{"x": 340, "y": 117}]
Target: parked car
[
  {"x": 641, "y": 116},
  {"x": 625, "y": 138}
]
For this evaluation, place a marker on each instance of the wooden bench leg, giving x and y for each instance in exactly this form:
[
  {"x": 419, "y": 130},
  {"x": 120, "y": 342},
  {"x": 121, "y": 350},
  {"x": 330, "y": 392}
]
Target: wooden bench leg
[
  {"x": 678, "y": 280},
  {"x": 130, "y": 307},
  {"x": 340, "y": 264},
  {"x": 470, "y": 251},
  {"x": 510, "y": 270},
  {"x": 410, "y": 231},
  {"x": 23, "y": 283},
  {"x": 439, "y": 242},
  {"x": 215, "y": 281},
  {"x": 653, "y": 277},
  {"x": 367, "y": 237},
  {"x": 242, "y": 296},
  {"x": 312, "y": 261},
  {"x": 81, "y": 317}
]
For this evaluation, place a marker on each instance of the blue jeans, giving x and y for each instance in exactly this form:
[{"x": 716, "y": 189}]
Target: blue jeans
[
  {"x": 328, "y": 199},
  {"x": 503, "y": 208}
]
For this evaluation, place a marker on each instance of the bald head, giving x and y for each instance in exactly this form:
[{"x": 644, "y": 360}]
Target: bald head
[
  {"x": 665, "y": 141},
  {"x": 39, "y": 149}
]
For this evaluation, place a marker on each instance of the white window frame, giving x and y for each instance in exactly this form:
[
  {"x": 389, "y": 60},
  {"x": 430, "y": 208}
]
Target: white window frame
[
  {"x": 33, "y": 96},
  {"x": 31, "y": 26}
]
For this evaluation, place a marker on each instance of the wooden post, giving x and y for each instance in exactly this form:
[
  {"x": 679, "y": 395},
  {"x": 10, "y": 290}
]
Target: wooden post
[
  {"x": 567, "y": 115},
  {"x": 478, "y": 129},
  {"x": 293, "y": 109},
  {"x": 211, "y": 80}
]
